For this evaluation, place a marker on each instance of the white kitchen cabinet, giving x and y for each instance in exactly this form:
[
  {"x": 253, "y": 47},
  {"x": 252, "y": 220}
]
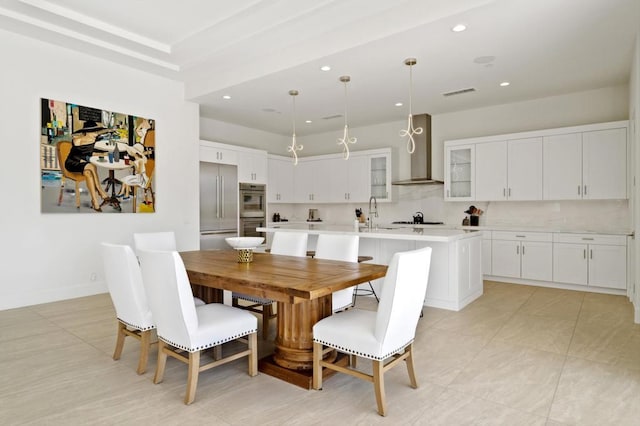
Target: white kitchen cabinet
[
  {"x": 459, "y": 165},
  {"x": 280, "y": 179},
  {"x": 379, "y": 179},
  {"x": 590, "y": 165},
  {"x": 213, "y": 152},
  {"x": 486, "y": 252},
  {"x": 604, "y": 160},
  {"x": 509, "y": 170},
  {"x": 252, "y": 166},
  {"x": 590, "y": 259},
  {"x": 527, "y": 255},
  {"x": 308, "y": 186},
  {"x": 491, "y": 171},
  {"x": 347, "y": 180}
]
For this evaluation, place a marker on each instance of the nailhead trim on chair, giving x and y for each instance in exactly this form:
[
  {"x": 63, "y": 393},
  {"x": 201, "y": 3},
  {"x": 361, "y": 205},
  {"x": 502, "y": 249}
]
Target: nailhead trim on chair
[
  {"x": 137, "y": 327},
  {"x": 363, "y": 355},
  {"x": 210, "y": 344},
  {"x": 253, "y": 299}
]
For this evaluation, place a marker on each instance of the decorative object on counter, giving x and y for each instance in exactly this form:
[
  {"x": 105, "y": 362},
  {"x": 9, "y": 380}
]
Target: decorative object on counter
[
  {"x": 276, "y": 217},
  {"x": 418, "y": 218},
  {"x": 314, "y": 216},
  {"x": 474, "y": 215},
  {"x": 245, "y": 247},
  {"x": 465, "y": 221},
  {"x": 346, "y": 140},
  {"x": 411, "y": 144},
  {"x": 294, "y": 146}
]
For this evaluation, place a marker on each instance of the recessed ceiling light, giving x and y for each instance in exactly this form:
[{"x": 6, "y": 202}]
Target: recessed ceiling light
[
  {"x": 226, "y": 97},
  {"x": 325, "y": 68},
  {"x": 308, "y": 121},
  {"x": 459, "y": 28},
  {"x": 504, "y": 83},
  {"x": 398, "y": 104}
]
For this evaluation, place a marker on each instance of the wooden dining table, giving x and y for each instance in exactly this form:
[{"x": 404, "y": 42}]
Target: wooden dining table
[{"x": 301, "y": 286}]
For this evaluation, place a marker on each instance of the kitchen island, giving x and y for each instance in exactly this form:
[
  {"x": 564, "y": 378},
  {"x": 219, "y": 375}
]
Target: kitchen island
[{"x": 455, "y": 279}]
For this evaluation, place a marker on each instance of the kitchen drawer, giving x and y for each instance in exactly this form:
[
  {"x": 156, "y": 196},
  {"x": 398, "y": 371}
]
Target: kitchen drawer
[
  {"x": 523, "y": 236},
  {"x": 603, "y": 239}
]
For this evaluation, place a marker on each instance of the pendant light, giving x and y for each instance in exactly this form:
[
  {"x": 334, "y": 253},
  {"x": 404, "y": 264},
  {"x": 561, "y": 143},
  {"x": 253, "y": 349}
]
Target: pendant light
[
  {"x": 294, "y": 146},
  {"x": 411, "y": 144},
  {"x": 346, "y": 140}
]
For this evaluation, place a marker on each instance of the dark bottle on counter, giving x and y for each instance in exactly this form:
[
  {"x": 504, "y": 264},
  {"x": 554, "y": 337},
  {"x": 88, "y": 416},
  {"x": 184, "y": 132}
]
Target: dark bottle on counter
[
  {"x": 465, "y": 221},
  {"x": 116, "y": 153}
]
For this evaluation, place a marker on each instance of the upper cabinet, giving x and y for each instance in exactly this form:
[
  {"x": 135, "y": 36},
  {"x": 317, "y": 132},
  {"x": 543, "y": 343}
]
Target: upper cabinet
[
  {"x": 331, "y": 178},
  {"x": 573, "y": 163},
  {"x": 252, "y": 166},
  {"x": 590, "y": 165},
  {"x": 509, "y": 170},
  {"x": 280, "y": 179},
  {"x": 459, "y": 171},
  {"x": 379, "y": 176},
  {"x": 213, "y": 152}
]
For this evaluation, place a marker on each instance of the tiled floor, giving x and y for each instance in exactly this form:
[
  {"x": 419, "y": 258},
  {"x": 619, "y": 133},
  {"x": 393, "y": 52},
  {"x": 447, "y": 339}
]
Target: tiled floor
[{"x": 519, "y": 355}]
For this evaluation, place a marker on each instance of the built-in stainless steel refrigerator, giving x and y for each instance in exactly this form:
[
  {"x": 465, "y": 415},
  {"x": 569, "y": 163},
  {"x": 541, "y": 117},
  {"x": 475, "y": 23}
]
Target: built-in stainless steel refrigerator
[{"x": 218, "y": 204}]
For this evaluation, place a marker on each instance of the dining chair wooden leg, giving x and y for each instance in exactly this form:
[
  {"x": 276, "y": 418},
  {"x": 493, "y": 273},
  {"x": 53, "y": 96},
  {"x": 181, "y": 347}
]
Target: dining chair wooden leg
[
  {"x": 217, "y": 352},
  {"x": 253, "y": 356},
  {"x": 192, "y": 380},
  {"x": 410, "y": 368},
  {"x": 378, "y": 384},
  {"x": 145, "y": 346},
  {"x": 119, "y": 341},
  {"x": 317, "y": 368},
  {"x": 162, "y": 362}
]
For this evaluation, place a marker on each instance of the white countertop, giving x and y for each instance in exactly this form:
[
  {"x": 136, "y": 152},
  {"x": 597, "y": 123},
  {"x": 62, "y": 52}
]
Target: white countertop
[
  {"x": 436, "y": 233},
  {"x": 435, "y": 230}
]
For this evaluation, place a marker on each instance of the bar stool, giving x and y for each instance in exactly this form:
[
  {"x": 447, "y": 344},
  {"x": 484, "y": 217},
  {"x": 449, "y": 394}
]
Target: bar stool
[{"x": 365, "y": 291}]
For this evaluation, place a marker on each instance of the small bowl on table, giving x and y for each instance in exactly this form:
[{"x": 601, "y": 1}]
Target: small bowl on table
[{"x": 245, "y": 247}]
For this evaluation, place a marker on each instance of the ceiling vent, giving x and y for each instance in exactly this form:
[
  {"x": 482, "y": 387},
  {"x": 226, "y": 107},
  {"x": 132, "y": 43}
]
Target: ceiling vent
[
  {"x": 332, "y": 117},
  {"x": 459, "y": 92}
]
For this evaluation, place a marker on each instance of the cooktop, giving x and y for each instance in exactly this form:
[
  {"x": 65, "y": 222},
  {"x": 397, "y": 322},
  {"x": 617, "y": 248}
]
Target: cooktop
[{"x": 416, "y": 223}]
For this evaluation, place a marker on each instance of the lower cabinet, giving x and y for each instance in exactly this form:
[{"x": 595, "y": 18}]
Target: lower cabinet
[
  {"x": 593, "y": 260},
  {"x": 527, "y": 255},
  {"x": 588, "y": 259}
]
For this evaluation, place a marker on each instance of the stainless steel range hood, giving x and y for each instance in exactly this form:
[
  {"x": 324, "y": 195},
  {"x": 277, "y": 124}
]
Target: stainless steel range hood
[{"x": 421, "y": 157}]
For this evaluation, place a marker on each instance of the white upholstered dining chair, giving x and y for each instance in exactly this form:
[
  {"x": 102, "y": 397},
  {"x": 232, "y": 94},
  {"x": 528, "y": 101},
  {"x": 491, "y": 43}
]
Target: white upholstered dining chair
[
  {"x": 339, "y": 247},
  {"x": 184, "y": 327},
  {"x": 387, "y": 333},
  {"x": 284, "y": 243},
  {"x": 163, "y": 241},
  {"x": 124, "y": 282}
]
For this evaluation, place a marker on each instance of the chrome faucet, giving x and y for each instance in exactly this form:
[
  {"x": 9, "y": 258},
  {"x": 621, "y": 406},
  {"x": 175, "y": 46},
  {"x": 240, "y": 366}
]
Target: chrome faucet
[{"x": 372, "y": 213}]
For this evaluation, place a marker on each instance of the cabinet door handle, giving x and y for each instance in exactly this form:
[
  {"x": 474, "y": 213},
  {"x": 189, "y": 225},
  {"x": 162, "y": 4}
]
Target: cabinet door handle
[
  {"x": 591, "y": 254},
  {"x": 517, "y": 249},
  {"x": 585, "y": 190},
  {"x": 509, "y": 192},
  {"x": 584, "y": 253},
  {"x": 523, "y": 250},
  {"x": 504, "y": 192},
  {"x": 521, "y": 236},
  {"x": 578, "y": 189}
]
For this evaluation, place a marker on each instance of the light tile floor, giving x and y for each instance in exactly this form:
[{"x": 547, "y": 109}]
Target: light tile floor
[{"x": 519, "y": 355}]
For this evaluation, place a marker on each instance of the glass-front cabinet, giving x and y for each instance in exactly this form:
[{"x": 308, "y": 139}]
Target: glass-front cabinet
[
  {"x": 459, "y": 171},
  {"x": 380, "y": 168}
]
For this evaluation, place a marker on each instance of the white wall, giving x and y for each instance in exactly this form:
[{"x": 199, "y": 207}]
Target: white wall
[
  {"x": 219, "y": 131},
  {"x": 634, "y": 132},
  {"x": 48, "y": 257}
]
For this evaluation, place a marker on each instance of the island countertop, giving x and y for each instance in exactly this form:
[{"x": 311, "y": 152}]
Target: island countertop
[{"x": 405, "y": 232}]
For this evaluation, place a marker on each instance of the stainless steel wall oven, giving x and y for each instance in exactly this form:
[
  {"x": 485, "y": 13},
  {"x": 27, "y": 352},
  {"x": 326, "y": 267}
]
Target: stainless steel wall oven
[{"x": 253, "y": 209}]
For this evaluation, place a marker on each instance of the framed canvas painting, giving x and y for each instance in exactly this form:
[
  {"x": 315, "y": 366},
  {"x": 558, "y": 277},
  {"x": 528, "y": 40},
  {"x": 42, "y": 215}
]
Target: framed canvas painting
[{"x": 95, "y": 161}]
